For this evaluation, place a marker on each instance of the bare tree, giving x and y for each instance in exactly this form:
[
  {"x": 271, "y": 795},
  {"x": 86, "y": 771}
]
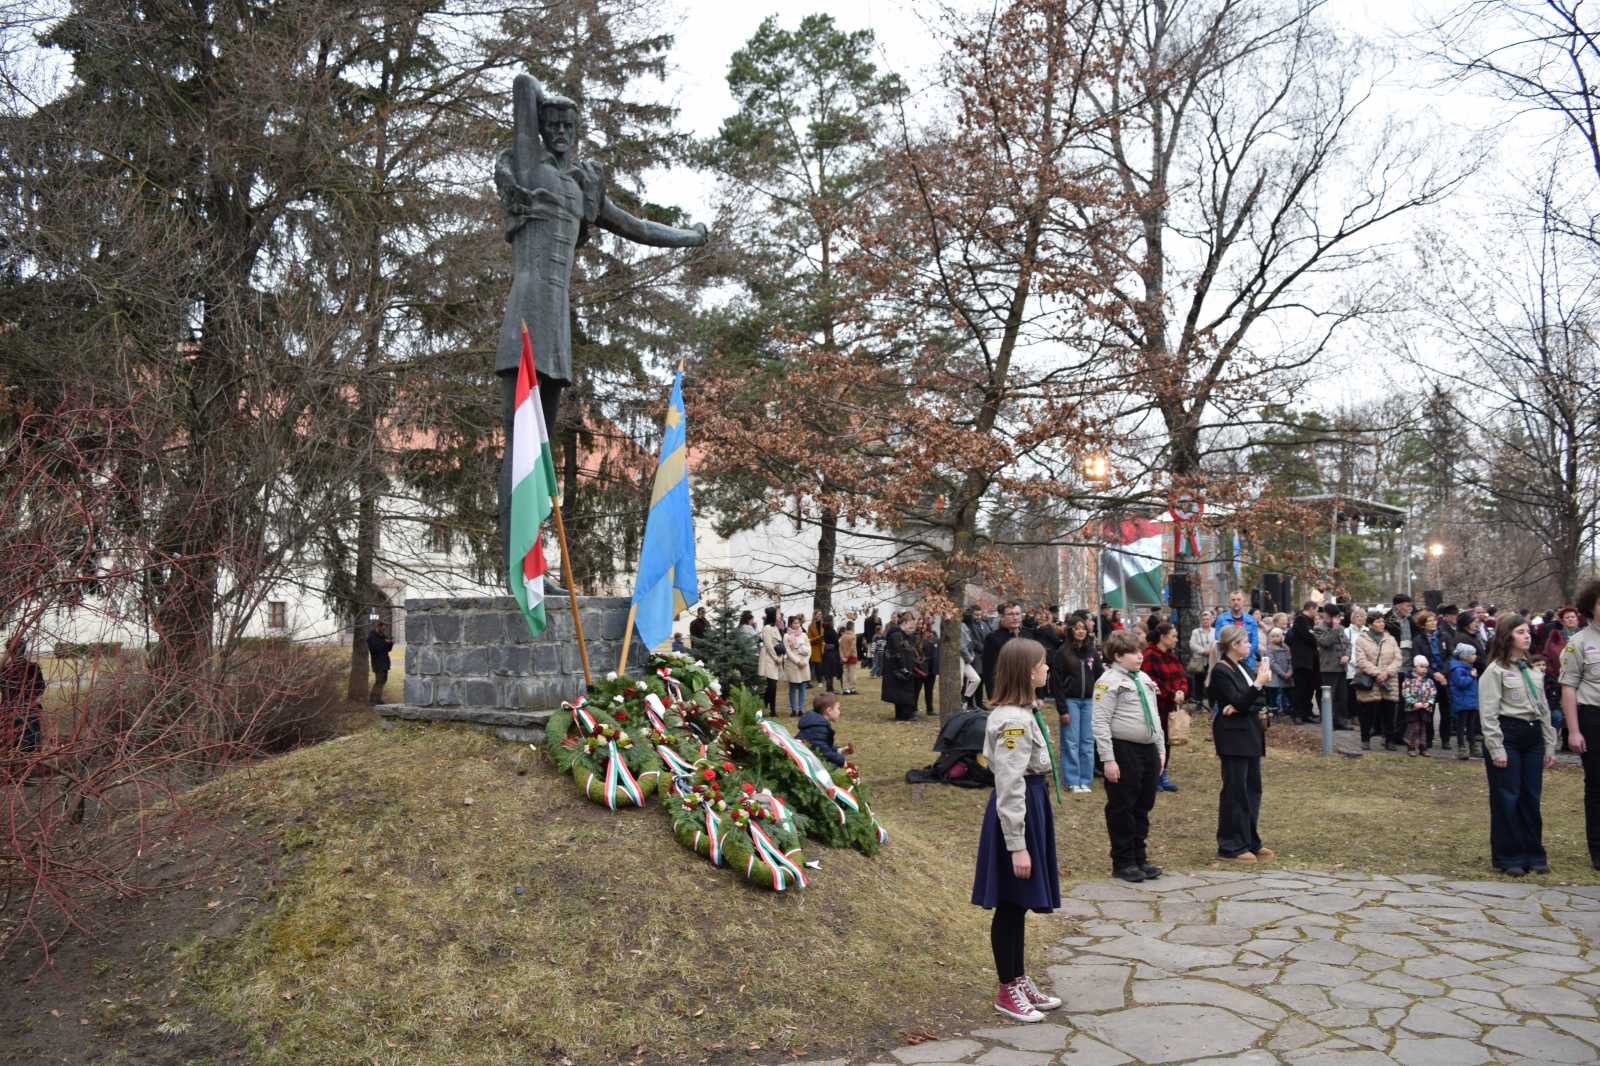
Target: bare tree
[{"x": 1510, "y": 327}]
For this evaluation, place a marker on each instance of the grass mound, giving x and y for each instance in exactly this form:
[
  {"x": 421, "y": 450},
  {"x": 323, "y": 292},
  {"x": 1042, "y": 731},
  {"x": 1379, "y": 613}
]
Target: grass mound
[
  {"x": 403, "y": 936},
  {"x": 393, "y": 932}
]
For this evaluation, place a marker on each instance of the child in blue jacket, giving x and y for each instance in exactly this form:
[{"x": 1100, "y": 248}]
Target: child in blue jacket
[{"x": 1464, "y": 699}]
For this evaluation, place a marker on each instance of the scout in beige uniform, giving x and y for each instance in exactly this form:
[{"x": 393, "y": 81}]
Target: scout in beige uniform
[
  {"x": 1580, "y": 702},
  {"x": 1016, "y": 869},
  {"x": 1128, "y": 739},
  {"x": 1519, "y": 744}
]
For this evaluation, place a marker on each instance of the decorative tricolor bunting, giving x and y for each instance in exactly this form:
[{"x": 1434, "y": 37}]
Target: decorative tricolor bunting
[
  {"x": 533, "y": 487},
  {"x": 1186, "y": 507},
  {"x": 811, "y": 767},
  {"x": 620, "y": 780},
  {"x": 783, "y": 868}
]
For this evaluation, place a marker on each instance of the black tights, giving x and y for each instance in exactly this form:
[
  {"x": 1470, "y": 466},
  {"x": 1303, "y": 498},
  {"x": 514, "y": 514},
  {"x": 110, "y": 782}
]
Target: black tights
[
  {"x": 1005, "y": 937},
  {"x": 772, "y": 697},
  {"x": 1377, "y": 719}
]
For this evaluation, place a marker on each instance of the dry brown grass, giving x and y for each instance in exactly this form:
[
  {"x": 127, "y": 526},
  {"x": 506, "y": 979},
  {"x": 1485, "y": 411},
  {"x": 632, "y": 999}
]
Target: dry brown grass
[{"x": 401, "y": 939}]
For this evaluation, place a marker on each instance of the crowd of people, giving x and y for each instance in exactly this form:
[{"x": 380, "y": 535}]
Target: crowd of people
[{"x": 1509, "y": 687}]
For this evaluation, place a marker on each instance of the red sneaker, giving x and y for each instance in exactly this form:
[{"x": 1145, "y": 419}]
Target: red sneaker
[
  {"x": 1039, "y": 1000},
  {"x": 1013, "y": 1002}
]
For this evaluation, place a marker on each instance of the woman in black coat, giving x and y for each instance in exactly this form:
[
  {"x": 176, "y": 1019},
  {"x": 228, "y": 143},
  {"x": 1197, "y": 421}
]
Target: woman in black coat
[
  {"x": 902, "y": 657},
  {"x": 1240, "y": 737}
]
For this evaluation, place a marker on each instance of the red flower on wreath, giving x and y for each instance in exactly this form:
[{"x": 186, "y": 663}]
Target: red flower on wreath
[
  {"x": 728, "y": 766},
  {"x": 621, "y": 716},
  {"x": 749, "y": 789},
  {"x": 630, "y": 692},
  {"x": 710, "y": 775}
]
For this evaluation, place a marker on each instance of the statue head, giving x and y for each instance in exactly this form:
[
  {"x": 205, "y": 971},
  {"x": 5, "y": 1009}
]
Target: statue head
[{"x": 558, "y": 124}]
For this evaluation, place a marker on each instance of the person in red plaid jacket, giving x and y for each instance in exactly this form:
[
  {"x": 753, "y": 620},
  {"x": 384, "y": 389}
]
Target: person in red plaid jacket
[{"x": 1164, "y": 667}]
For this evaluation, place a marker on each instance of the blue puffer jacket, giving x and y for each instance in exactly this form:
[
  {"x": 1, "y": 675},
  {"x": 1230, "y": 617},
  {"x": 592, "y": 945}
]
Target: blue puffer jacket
[
  {"x": 1463, "y": 687},
  {"x": 817, "y": 732}
]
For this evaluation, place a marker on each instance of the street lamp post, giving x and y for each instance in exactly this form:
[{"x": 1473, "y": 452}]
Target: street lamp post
[{"x": 1435, "y": 554}]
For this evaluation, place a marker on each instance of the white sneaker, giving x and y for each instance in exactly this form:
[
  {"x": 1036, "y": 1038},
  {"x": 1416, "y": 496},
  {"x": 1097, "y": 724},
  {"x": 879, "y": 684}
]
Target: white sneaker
[
  {"x": 1012, "y": 1001},
  {"x": 1038, "y": 999}
]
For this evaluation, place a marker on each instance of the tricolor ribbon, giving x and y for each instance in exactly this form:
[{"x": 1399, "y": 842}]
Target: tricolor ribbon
[
  {"x": 780, "y": 811},
  {"x": 673, "y": 686},
  {"x": 883, "y": 834},
  {"x": 619, "y": 779},
  {"x": 811, "y": 767},
  {"x": 783, "y": 868},
  {"x": 581, "y": 715},
  {"x": 713, "y": 835},
  {"x": 655, "y": 712},
  {"x": 676, "y": 763}
]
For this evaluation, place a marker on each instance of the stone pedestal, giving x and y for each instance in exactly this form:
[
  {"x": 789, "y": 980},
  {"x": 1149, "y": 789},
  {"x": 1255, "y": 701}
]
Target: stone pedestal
[{"x": 472, "y": 660}]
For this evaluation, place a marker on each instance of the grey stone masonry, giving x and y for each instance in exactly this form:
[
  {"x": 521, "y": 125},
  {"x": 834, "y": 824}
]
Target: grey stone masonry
[{"x": 473, "y": 660}]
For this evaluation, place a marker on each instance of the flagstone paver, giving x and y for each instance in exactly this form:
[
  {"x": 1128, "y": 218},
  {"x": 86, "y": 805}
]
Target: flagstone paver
[{"x": 1299, "y": 968}]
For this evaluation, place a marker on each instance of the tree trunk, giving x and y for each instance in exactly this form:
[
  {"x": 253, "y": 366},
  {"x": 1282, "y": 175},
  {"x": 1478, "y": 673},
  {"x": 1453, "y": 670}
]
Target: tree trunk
[
  {"x": 366, "y": 549},
  {"x": 827, "y": 551}
]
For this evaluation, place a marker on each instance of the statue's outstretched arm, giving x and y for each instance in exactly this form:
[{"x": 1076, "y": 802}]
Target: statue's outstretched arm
[{"x": 615, "y": 219}]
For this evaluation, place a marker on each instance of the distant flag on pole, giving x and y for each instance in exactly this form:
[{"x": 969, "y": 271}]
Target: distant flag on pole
[
  {"x": 667, "y": 583},
  {"x": 1238, "y": 557},
  {"x": 533, "y": 485}
]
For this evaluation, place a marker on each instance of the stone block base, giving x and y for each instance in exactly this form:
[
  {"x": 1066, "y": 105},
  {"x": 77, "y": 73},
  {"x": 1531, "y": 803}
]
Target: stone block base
[{"x": 473, "y": 660}]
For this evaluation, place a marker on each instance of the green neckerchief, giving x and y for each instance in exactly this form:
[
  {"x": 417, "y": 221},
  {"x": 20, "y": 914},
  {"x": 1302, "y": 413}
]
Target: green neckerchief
[
  {"x": 1144, "y": 701},
  {"x": 1534, "y": 703},
  {"x": 1055, "y": 774}
]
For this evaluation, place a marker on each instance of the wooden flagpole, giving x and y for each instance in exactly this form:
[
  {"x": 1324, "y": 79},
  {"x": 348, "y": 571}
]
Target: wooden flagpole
[
  {"x": 572, "y": 588},
  {"x": 627, "y": 639}
]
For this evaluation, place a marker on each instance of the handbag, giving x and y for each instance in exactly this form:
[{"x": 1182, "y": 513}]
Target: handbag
[{"x": 1363, "y": 681}]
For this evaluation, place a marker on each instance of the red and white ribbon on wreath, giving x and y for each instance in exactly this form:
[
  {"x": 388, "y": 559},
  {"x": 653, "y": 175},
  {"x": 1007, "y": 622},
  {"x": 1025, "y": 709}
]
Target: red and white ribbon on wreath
[
  {"x": 780, "y": 811},
  {"x": 811, "y": 767},
  {"x": 655, "y": 712},
  {"x": 673, "y": 687},
  {"x": 883, "y": 834},
  {"x": 581, "y": 715},
  {"x": 783, "y": 868}
]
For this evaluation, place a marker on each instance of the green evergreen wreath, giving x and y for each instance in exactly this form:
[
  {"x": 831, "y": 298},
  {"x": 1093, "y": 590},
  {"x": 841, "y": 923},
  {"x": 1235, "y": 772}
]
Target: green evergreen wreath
[{"x": 719, "y": 813}]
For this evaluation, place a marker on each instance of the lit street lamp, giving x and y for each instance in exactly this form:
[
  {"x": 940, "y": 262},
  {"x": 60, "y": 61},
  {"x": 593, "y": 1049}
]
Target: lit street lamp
[
  {"x": 1436, "y": 553},
  {"x": 1096, "y": 467}
]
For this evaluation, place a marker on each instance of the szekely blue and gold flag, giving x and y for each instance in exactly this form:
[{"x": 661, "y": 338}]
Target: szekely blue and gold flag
[{"x": 667, "y": 583}]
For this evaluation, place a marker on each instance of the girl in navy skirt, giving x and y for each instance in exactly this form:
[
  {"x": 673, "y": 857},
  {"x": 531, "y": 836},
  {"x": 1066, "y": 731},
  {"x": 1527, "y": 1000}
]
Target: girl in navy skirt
[{"x": 1017, "y": 871}]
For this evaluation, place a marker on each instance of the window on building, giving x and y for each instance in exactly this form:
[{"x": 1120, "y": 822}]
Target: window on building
[
  {"x": 439, "y": 538},
  {"x": 277, "y": 614}
]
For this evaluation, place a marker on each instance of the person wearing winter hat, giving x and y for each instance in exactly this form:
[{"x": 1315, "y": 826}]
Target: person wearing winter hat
[
  {"x": 1418, "y": 696},
  {"x": 1464, "y": 697}
]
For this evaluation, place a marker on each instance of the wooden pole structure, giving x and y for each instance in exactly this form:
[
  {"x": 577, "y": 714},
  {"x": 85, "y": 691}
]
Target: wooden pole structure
[
  {"x": 572, "y": 588},
  {"x": 627, "y": 639}
]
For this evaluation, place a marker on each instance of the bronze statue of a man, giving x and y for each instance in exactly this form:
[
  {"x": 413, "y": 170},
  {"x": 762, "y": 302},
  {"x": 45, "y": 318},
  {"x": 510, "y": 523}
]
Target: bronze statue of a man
[{"x": 550, "y": 203}]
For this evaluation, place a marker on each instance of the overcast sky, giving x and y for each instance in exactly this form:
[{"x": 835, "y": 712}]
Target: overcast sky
[{"x": 709, "y": 31}]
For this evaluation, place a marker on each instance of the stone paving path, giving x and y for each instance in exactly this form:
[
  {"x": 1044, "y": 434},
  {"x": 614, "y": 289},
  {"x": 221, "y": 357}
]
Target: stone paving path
[{"x": 1262, "y": 967}]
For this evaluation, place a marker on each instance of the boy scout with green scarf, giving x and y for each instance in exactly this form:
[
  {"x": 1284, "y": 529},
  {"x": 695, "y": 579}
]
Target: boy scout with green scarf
[{"x": 1130, "y": 745}]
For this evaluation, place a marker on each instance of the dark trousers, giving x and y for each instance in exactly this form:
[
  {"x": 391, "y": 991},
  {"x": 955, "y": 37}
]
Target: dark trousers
[
  {"x": 1239, "y": 806},
  {"x": 771, "y": 697},
  {"x": 1446, "y": 723},
  {"x": 1305, "y": 691},
  {"x": 1516, "y": 831},
  {"x": 906, "y": 712},
  {"x": 929, "y": 683},
  {"x": 1166, "y": 733},
  {"x": 1006, "y": 935},
  {"x": 1589, "y": 723},
  {"x": 1375, "y": 718},
  {"x": 1130, "y": 800},
  {"x": 379, "y": 679},
  {"x": 1333, "y": 688}
]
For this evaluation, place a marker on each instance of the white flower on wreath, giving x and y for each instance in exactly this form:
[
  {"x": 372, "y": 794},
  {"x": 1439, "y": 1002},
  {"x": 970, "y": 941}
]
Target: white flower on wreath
[
  {"x": 612, "y": 676},
  {"x": 617, "y": 699},
  {"x": 715, "y": 686}
]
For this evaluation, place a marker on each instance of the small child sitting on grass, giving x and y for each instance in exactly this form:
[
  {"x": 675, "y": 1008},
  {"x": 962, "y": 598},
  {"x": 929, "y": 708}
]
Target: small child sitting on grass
[
  {"x": 816, "y": 729},
  {"x": 1418, "y": 695}
]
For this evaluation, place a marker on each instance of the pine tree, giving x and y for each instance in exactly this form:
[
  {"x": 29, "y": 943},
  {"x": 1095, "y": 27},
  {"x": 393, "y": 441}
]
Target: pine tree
[{"x": 728, "y": 653}]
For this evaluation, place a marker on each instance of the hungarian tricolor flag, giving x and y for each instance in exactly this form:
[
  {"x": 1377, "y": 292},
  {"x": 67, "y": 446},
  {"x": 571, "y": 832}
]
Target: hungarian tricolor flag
[
  {"x": 1131, "y": 568},
  {"x": 533, "y": 486}
]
